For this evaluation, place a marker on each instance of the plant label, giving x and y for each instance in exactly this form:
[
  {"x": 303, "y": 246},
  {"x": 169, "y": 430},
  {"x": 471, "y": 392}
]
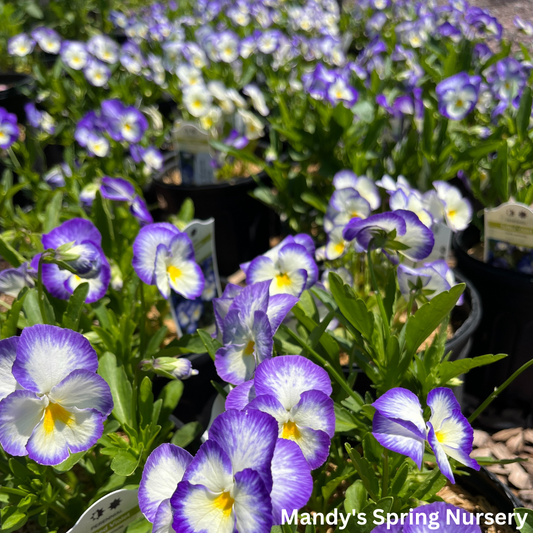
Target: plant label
[
  {"x": 194, "y": 154},
  {"x": 509, "y": 237},
  {"x": 110, "y": 514},
  {"x": 191, "y": 314}
]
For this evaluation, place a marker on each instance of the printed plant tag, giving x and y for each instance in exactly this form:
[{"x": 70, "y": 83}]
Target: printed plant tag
[
  {"x": 110, "y": 514},
  {"x": 194, "y": 154},
  {"x": 191, "y": 314},
  {"x": 509, "y": 237}
]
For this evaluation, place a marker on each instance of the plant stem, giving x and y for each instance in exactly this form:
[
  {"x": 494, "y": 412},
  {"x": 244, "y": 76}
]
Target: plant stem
[
  {"x": 386, "y": 325},
  {"x": 40, "y": 288},
  {"x": 143, "y": 320},
  {"x": 498, "y": 391},
  {"x": 326, "y": 364}
]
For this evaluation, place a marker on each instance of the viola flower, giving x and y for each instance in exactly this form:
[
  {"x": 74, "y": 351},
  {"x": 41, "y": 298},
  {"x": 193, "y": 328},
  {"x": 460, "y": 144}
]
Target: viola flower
[
  {"x": 227, "y": 46},
  {"x": 170, "y": 367},
  {"x": 253, "y": 127},
  {"x": 296, "y": 393},
  {"x": 40, "y": 120},
  {"x": 346, "y": 179},
  {"x": 345, "y": 205},
  {"x": 412, "y": 201},
  {"x": 341, "y": 91},
  {"x": 429, "y": 280},
  {"x": 89, "y": 260},
  {"x": 59, "y": 396},
  {"x": 55, "y": 177},
  {"x": 151, "y": 156},
  {"x": 125, "y": 123},
  {"x": 291, "y": 269},
  {"x": 449, "y": 433},
  {"x": 197, "y": 100},
  {"x": 458, "y": 95},
  {"x": 97, "y": 73},
  {"x": 9, "y": 130},
  {"x": 74, "y": 54},
  {"x": 399, "y": 426},
  {"x": 227, "y": 486},
  {"x": 48, "y": 40},
  {"x": 120, "y": 190},
  {"x": 20, "y": 45},
  {"x": 247, "y": 323},
  {"x": 336, "y": 245},
  {"x": 163, "y": 471},
  {"x": 507, "y": 79},
  {"x": 13, "y": 280},
  {"x": 258, "y": 99},
  {"x": 404, "y": 227},
  {"x": 457, "y": 210},
  {"x": 103, "y": 48},
  {"x": 163, "y": 256},
  {"x": 524, "y": 26}
]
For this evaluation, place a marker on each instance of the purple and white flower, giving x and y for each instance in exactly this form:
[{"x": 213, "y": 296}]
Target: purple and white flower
[
  {"x": 74, "y": 54},
  {"x": 247, "y": 320},
  {"x": 103, "y": 48},
  {"x": 457, "y": 210},
  {"x": 124, "y": 123},
  {"x": 96, "y": 72},
  {"x": 20, "y": 45},
  {"x": 48, "y": 40},
  {"x": 399, "y": 426},
  {"x": 120, "y": 190},
  {"x": 40, "y": 120},
  {"x": 9, "y": 130},
  {"x": 290, "y": 267},
  {"x": 77, "y": 242},
  {"x": 13, "y": 280},
  {"x": 53, "y": 402},
  {"x": 163, "y": 256},
  {"x": 458, "y": 95}
]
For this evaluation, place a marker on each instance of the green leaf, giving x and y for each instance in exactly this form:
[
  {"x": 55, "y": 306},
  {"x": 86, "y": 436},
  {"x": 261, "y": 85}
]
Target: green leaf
[
  {"x": 103, "y": 221},
  {"x": 33, "y": 312},
  {"x": 186, "y": 213},
  {"x": 523, "y": 115},
  {"x": 34, "y": 10},
  {"x": 12, "y": 519},
  {"x": 139, "y": 526},
  {"x": 384, "y": 505},
  {"x": 155, "y": 341},
  {"x": 184, "y": 345},
  {"x": 9, "y": 327},
  {"x": 10, "y": 254},
  {"x": 365, "y": 471},
  {"x": 186, "y": 434},
  {"x": 399, "y": 479},
  {"x": 120, "y": 387},
  {"x": 451, "y": 369},
  {"x": 528, "y": 524},
  {"x": 353, "y": 308},
  {"x": 500, "y": 173},
  {"x": 171, "y": 395},
  {"x": 426, "y": 319},
  {"x": 356, "y": 496},
  {"x": 124, "y": 463},
  {"x": 146, "y": 401},
  {"x": 211, "y": 345},
  {"x": 71, "y": 318},
  {"x": 52, "y": 212},
  {"x": 428, "y": 488},
  {"x": 67, "y": 464}
]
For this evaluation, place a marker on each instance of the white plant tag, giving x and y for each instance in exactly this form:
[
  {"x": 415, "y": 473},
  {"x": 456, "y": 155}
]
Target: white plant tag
[
  {"x": 509, "y": 237},
  {"x": 110, "y": 514},
  {"x": 188, "y": 313},
  {"x": 194, "y": 154}
]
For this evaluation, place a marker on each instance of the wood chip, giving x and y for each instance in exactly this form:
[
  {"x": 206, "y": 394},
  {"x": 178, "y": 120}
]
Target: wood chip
[
  {"x": 498, "y": 469},
  {"x": 516, "y": 444},
  {"x": 528, "y": 435},
  {"x": 500, "y": 451},
  {"x": 526, "y": 495},
  {"x": 519, "y": 477},
  {"x": 481, "y": 452},
  {"x": 505, "y": 434},
  {"x": 481, "y": 438}
]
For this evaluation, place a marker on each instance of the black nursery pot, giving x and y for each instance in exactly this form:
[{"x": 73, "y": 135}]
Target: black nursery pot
[
  {"x": 506, "y": 327},
  {"x": 242, "y": 223},
  {"x": 484, "y": 483},
  {"x": 11, "y": 96}
]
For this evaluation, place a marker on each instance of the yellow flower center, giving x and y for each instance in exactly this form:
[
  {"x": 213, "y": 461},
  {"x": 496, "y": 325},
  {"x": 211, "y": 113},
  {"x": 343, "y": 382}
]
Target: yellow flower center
[
  {"x": 290, "y": 431},
  {"x": 354, "y": 214},
  {"x": 224, "y": 502},
  {"x": 440, "y": 436},
  {"x": 283, "y": 280},
  {"x": 452, "y": 213},
  {"x": 3, "y": 137},
  {"x": 249, "y": 350},
  {"x": 174, "y": 272},
  {"x": 54, "y": 412},
  {"x": 459, "y": 103},
  {"x": 339, "y": 248},
  {"x": 197, "y": 104}
]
